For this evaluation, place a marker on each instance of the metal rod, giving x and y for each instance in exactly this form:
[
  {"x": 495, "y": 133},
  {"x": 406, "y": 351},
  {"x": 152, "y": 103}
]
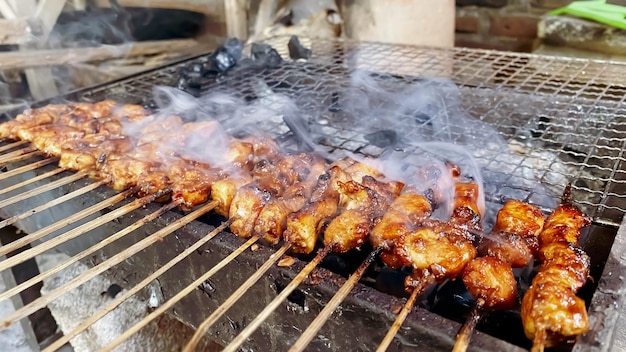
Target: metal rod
[
  {"x": 180, "y": 295},
  {"x": 41, "y": 189},
  {"x": 330, "y": 307},
  {"x": 50, "y": 204},
  {"x": 110, "y": 239},
  {"x": 31, "y": 166},
  {"x": 233, "y": 298},
  {"x": 465, "y": 333},
  {"x": 59, "y": 225},
  {"x": 271, "y": 307},
  {"x": 31, "y": 180},
  {"x": 12, "y": 145},
  {"x": 408, "y": 306},
  {"x": 104, "y": 266}
]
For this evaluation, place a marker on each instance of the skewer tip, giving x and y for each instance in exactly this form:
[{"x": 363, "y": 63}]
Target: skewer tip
[{"x": 539, "y": 341}]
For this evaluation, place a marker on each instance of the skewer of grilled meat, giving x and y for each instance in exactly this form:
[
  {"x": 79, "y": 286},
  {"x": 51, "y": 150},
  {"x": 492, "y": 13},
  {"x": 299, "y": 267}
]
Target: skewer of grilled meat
[
  {"x": 550, "y": 310},
  {"x": 362, "y": 207},
  {"x": 272, "y": 219},
  {"x": 404, "y": 214},
  {"x": 408, "y": 211},
  {"x": 440, "y": 250},
  {"x": 270, "y": 179},
  {"x": 511, "y": 244},
  {"x": 489, "y": 278},
  {"x": 436, "y": 250},
  {"x": 304, "y": 226}
]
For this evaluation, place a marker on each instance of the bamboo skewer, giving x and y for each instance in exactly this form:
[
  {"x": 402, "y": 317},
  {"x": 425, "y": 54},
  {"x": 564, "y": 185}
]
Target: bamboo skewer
[
  {"x": 78, "y": 231},
  {"x": 105, "y": 265},
  {"x": 465, "y": 333},
  {"x": 330, "y": 307},
  {"x": 8, "y": 157},
  {"x": 50, "y": 204},
  {"x": 31, "y": 180},
  {"x": 21, "y": 157},
  {"x": 41, "y": 189},
  {"x": 408, "y": 306},
  {"x": 110, "y": 239},
  {"x": 271, "y": 307},
  {"x": 12, "y": 145},
  {"x": 31, "y": 166},
  {"x": 21, "y": 242},
  {"x": 127, "y": 294},
  {"x": 233, "y": 298},
  {"x": 539, "y": 342},
  {"x": 180, "y": 295}
]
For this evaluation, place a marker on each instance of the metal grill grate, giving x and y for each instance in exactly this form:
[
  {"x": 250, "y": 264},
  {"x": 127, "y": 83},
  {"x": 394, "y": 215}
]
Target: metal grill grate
[{"x": 563, "y": 120}]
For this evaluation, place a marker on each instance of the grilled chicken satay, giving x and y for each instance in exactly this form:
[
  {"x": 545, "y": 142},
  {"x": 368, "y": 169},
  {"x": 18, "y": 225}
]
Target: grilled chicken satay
[
  {"x": 69, "y": 115},
  {"x": 271, "y": 179},
  {"x": 272, "y": 219},
  {"x": 438, "y": 250},
  {"x": 551, "y": 311},
  {"x": 514, "y": 238},
  {"x": 223, "y": 191},
  {"x": 404, "y": 214},
  {"x": 304, "y": 226},
  {"x": 490, "y": 277},
  {"x": 364, "y": 205}
]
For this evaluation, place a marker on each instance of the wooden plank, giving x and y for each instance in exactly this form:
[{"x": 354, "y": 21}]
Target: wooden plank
[
  {"x": 54, "y": 57},
  {"x": 22, "y": 7},
  {"x": 236, "y": 14},
  {"x": 6, "y": 10},
  {"x": 20, "y": 31},
  {"x": 48, "y": 12},
  {"x": 264, "y": 17},
  {"x": 41, "y": 81},
  {"x": 209, "y": 7}
]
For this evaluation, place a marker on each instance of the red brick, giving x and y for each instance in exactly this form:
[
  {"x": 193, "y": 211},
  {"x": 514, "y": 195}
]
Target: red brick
[
  {"x": 495, "y": 43},
  {"x": 467, "y": 24},
  {"x": 550, "y": 4},
  {"x": 485, "y": 3},
  {"x": 523, "y": 26}
]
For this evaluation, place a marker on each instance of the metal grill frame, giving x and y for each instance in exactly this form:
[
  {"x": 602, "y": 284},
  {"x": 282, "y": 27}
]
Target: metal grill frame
[{"x": 530, "y": 76}]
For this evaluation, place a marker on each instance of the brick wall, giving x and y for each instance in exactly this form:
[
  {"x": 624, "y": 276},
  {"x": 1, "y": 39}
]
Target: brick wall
[{"x": 509, "y": 25}]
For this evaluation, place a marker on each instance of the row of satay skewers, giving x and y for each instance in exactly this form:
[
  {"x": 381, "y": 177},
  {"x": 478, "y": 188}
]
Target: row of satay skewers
[{"x": 299, "y": 197}]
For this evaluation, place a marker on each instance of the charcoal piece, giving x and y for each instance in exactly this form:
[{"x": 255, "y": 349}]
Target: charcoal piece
[
  {"x": 382, "y": 138},
  {"x": 224, "y": 58},
  {"x": 264, "y": 55},
  {"x": 296, "y": 50}
]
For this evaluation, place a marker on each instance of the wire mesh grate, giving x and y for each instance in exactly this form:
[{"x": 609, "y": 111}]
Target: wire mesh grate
[{"x": 562, "y": 118}]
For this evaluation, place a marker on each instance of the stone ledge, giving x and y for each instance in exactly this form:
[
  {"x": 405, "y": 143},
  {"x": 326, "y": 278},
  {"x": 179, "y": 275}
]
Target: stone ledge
[{"x": 577, "y": 33}]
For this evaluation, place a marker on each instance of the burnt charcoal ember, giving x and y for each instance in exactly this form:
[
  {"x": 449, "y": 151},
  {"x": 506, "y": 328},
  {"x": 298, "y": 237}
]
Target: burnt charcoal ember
[
  {"x": 264, "y": 56},
  {"x": 382, "y": 138},
  {"x": 296, "y": 50},
  {"x": 225, "y": 57},
  {"x": 112, "y": 291}
]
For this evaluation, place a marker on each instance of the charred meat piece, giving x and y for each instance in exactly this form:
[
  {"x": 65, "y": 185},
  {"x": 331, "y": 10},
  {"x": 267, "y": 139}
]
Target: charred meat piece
[
  {"x": 439, "y": 248},
  {"x": 492, "y": 280},
  {"x": 405, "y": 213},
  {"x": 514, "y": 237},
  {"x": 550, "y": 307},
  {"x": 272, "y": 219},
  {"x": 364, "y": 205}
]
